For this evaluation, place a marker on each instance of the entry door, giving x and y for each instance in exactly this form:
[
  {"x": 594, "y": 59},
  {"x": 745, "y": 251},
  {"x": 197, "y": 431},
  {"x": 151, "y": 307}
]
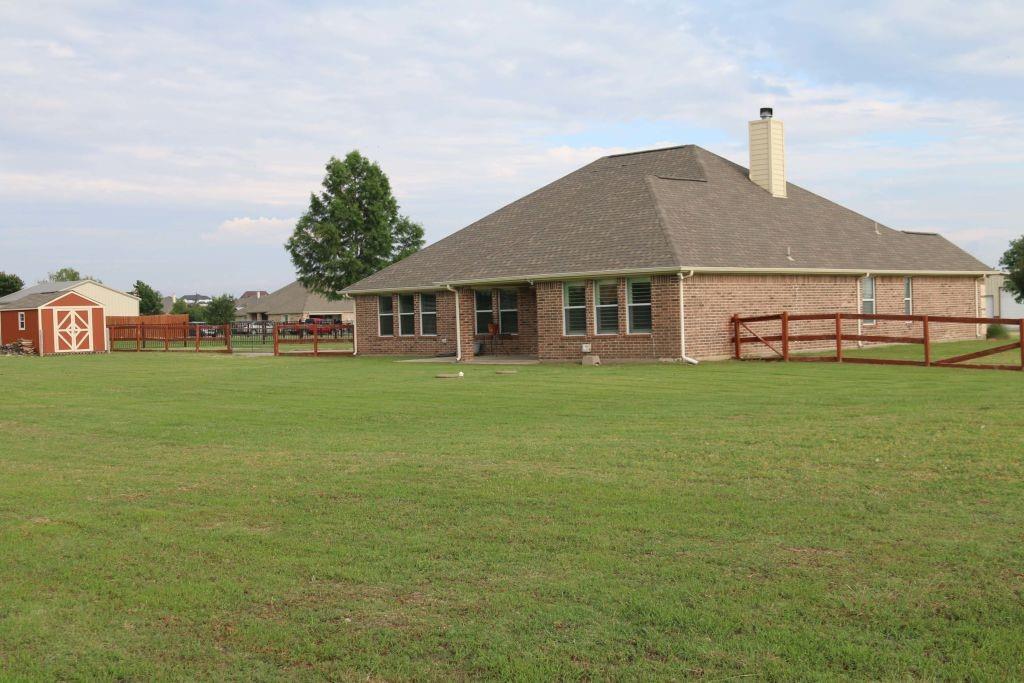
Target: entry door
[{"x": 72, "y": 330}]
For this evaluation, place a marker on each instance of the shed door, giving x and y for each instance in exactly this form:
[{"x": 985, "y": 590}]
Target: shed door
[{"x": 72, "y": 330}]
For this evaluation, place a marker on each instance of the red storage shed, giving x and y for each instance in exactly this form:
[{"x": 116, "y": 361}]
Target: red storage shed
[{"x": 54, "y": 322}]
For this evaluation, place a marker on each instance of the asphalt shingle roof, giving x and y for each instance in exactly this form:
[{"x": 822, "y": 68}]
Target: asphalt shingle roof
[
  {"x": 294, "y": 298},
  {"x": 677, "y": 208}
]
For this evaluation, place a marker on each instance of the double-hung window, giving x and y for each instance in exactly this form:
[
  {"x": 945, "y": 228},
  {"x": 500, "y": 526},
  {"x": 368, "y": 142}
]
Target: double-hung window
[
  {"x": 606, "y": 306},
  {"x": 908, "y": 296},
  {"x": 428, "y": 314},
  {"x": 484, "y": 311},
  {"x": 21, "y": 321},
  {"x": 638, "y": 296},
  {"x": 385, "y": 316},
  {"x": 508, "y": 311},
  {"x": 867, "y": 298},
  {"x": 574, "y": 307},
  {"x": 406, "y": 315}
]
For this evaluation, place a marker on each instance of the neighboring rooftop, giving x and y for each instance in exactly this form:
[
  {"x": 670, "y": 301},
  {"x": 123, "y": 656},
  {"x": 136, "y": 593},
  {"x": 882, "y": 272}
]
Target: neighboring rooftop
[
  {"x": 668, "y": 209},
  {"x": 294, "y": 298}
]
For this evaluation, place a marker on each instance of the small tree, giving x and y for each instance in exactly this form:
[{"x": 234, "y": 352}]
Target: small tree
[
  {"x": 1013, "y": 262},
  {"x": 10, "y": 283},
  {"x": 352, "y": 229},
  {"x": 150, "y": 302},
  {"x": 221, "y": 310},
  {"x": 179, "y": 307}
]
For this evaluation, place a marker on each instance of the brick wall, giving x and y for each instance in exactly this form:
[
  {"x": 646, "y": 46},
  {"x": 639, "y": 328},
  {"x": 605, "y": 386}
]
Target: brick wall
[
  {"x": 662, "y": 342},
  {"x": 371, "y": 344},
  {"x": 711, "y": 300}
]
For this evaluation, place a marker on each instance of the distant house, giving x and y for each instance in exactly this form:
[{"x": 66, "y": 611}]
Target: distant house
[
  {"x": 649, "y": 254},
  {"x": 167, "y": 303},
  {"x": 292, "y": 303},
  {"x": 999, "y": 303},
  {"x": 197, "y": 299},
  {"x": 63, "y": 317},
  {"x": 254, "y": 294}
]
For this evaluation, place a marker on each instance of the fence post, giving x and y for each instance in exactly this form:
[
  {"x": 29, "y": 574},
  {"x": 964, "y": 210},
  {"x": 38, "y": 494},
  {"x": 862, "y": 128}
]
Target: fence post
[
  {"x": 839, "y": 337},
  {"x": 227, "y": 336},
  {"x": 197, "y": 337},
  {"x": 167, "y": 339},
  {"x": 1020, "y": 324},
  {"x": 316, "y": 339},
  {"x": 277, "y": 350},
  {"x": 736, "y": 335},
  {"x": 138, "y": 337},
  {"x": 785, "y": 335},
  {"x": 927, "y": 343}
]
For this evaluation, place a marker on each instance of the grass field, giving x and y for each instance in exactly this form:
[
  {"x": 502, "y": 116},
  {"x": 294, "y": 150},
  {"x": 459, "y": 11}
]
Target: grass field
[{"x": 207, "y": 516}]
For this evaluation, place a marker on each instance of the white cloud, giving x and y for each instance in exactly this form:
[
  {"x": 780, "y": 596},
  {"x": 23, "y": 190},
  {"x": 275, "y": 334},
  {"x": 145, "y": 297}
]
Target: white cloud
[{"x": 252, "y": 231}]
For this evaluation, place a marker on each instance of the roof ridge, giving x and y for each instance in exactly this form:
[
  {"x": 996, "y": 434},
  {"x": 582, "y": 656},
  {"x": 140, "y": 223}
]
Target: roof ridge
[
  {"x": 647, "y": 151},
  {"x": 662, "y": 220}
]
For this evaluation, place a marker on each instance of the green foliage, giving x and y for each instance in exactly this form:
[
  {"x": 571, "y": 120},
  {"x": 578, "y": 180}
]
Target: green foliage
[
  {"x": 10, "y": 283},
  {"x": 997, "y": 332},
  {"x": 292, "y": 519},
  {"x": 150, "y": 302},
  {"x": 1013, "y": 262},
  {"x": 68, "y": 274},
  {"x": 179, "y": 307},
  {"x": 221, "y": 310},
  {"x": 352, "y": 229}
]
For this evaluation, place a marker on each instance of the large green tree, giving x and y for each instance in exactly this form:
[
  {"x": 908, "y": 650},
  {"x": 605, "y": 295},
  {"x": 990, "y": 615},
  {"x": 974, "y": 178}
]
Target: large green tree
[
  {"x": 150, "y": 302},
  {"x": 221, "y": 310},
  {"x": 1013, "y": 262},
  {"x": 352, "y": 229},
  {"x": 10, "y": 283}
]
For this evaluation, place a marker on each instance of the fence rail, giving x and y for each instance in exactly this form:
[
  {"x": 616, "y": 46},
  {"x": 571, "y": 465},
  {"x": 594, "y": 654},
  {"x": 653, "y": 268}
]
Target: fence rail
[
  {"x": 311, "y": 338},
  {"x": 743, "y": 334}
]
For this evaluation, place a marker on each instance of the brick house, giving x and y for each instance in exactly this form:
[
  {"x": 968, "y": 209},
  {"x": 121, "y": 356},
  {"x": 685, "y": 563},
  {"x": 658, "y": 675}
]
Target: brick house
[{"x": 647, "y": 255}]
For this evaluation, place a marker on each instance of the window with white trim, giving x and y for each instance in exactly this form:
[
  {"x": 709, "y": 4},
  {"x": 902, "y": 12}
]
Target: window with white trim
[
  {"x": 867, "y": 297},
  {"x": 574, "y": 308},
  {"x": 428, "y": 314},
  {"x": 508, "y": 311},
  {"x": 908, "y": 296},
  {"x": 21, "y": 321},
  {"x": 606, "y": 307},
  {"x": 484, "y": 311},
  {"x": 406, "y": 315},
  {"x": 638, "y": 299},
  {"x": 385, "y": 316}
]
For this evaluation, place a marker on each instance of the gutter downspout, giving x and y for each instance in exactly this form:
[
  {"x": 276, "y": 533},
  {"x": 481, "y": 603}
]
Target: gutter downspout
[
  {"x": 682, "y": 320},
  {"x": 458, "y": 325}
]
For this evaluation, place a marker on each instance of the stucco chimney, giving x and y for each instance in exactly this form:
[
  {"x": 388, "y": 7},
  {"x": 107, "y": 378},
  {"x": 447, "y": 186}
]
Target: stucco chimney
[{"x": 768, "y": 153}]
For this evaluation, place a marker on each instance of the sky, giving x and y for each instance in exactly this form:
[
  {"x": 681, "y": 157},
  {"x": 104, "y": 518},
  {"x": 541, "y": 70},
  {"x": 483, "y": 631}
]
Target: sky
[{"x": 177, "y": 143}]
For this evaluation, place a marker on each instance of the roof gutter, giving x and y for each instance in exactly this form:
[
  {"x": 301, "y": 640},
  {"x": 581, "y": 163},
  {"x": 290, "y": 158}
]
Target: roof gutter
[{"x": 713, "y": 270}]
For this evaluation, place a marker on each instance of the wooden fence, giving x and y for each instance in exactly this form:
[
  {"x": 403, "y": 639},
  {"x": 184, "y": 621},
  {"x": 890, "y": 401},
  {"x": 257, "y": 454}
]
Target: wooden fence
[
  {"x": 167, "y": 319},
  {"x": 316, "y": 339},
  {"x": 324, "y": 338},
  {"x": 173, "y": 337},
  {"x": 743, "y": 334}
]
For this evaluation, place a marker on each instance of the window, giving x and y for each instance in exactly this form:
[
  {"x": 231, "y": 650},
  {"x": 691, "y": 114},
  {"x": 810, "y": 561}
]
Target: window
[
  {"x": 406, "y": 315},
  {"x": 867, "y": 297},
  {"x": 484, "y": 311},
  {"x": 385, "y": 316},
  {"x": 638, "y": 294},
  {"x": 908, "y": 296},
  {"x": 428, "y": 314},
  {"x": 21, "y": 321},
  {"x": 508, "y": 311},
  {"x": 606, "y": 307},
  {"x": 574, "y": 307}
]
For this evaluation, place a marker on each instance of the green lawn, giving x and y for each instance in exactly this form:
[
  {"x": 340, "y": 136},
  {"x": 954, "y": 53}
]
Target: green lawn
[{"x": 175, "y": 516}]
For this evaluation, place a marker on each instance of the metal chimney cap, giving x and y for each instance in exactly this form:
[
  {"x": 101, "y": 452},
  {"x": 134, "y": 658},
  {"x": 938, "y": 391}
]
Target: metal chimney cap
[{"x": 766, "y": 112}]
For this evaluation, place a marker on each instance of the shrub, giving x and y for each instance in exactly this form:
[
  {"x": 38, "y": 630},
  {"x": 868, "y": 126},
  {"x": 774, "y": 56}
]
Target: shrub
[{"x": 997, "y": 332}]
